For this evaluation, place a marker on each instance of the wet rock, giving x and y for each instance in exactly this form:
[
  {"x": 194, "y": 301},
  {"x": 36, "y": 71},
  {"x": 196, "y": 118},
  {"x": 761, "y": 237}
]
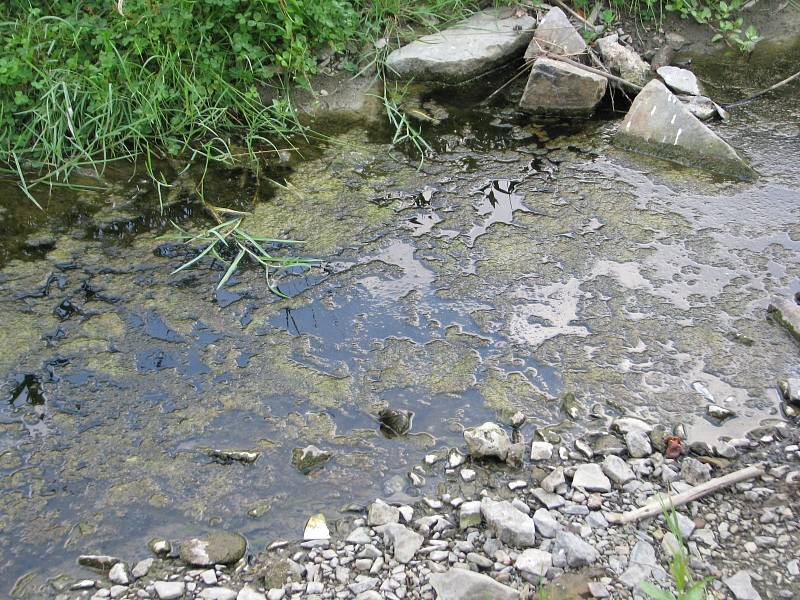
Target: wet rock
[
  {"x": 638, "y": 443},
  {"x": 659, "y": 125},
  {"x": 570, "y": 406},
  {"x": 555, "y": 34},
  {"x": 578, "y": 553},
  {"x": 83, "y": 584},
  {"x": 625, "y": 425},
  {"x": 404, "y": 541},
  {"x": 590, "y": 477},
  {"x": 119, "y": 574},
  {"x": 557, "y": 88},
  {"x": 617, "y": 470},
  {"x": 694, "y": 472},
  {"x": 159, "y": 547},
  {"x": 741, "y": 586},
  {"x": 217, "y": 547},
  {"x": 395, "y": 423},
  {"x": 309, "y": 458},
  {"x": 510, "y": 525},
  {"x": 787, "y": 313},
  {"x": 702, "y": 107},
  {"x": 533, "y": 564},
  {"x": 468, "y": 49},
  {"x": 227, "y": 456},
  {"x": 141, "y": 568},
  {"x": 316, "y": 528},
  {"x": 607, "y": 444},
  {"x": 487, "y": 440},
  {"x": 790, "y": 388},
  {"x": 461, "y": 584},
  {"x": 381, "y": 513},
  {"x": 169, "y": 590},
  {"x": 719, "y": 412},
  {"x": 101, "y": 562},
  {"x": 469, "y": 514},
  {"x": 679, "y": 80},
  {"x": 622, "y": 61}
]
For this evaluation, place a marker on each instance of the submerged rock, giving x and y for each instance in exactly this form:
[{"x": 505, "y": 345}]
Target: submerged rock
[
  {"x": 787, "y": 313},
  {"x": 309, "y": 458},
  {"x": 395, "y": 422},
  {"x": 101, "y": 562},
  {"x": 217, "y": 547},
  {"x": 487, "y": 440},
  {"x": 462, "y": 584},
  {"x": 658, "y": 124},
  {"x": 466, "y": 50},
  {"x": 557, "y": 88},
  {"x": 244, "y": 456},
  {"x": 622, "y": 61},
  {"x": 556, "y": 34}
]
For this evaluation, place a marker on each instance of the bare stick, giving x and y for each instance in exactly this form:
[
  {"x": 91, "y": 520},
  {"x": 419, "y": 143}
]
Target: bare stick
[
  {"x": 697, "y": 492},
  {"x": 619, "y": 80},
  {"x": 762, "y": 92}
]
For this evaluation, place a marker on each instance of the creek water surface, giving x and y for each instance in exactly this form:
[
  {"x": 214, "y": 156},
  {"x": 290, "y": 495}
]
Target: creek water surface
[{"x": 519, "y": 262}]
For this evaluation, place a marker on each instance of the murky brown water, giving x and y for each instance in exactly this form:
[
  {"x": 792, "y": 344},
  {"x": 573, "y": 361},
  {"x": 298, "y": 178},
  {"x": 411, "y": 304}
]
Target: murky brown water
[{"x": 519, "y": 263}]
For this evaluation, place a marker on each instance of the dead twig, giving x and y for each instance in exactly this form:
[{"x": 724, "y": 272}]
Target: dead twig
[
  {"x": 609, "y": 76},
  {"x": 762, "y": 92},
  {"x": 697, "y": 492}
]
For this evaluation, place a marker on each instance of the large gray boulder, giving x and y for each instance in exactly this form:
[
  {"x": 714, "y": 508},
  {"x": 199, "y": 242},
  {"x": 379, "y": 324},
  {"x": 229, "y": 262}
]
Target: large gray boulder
[
  {"x": 623, "y": 61},
  {"x": 468, "y": 49},
  {"x": 556, "y": 34},
  {"x": 557, "y": 88},
  {"x": 509, "y": 524},
  {"x": 461, "y": 584},
  {"x": 659, "y": 125}
]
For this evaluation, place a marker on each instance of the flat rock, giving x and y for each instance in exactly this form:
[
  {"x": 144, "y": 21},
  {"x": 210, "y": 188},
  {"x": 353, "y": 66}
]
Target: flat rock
[
  {"x": 556, "y": 34},
  {"x": 380, "y": 513},
  {"x": 545, "y": 523},
  {"x": 578, "y": 552},
  {"x": 461, "y": 584},
  {"x": 557, "y": 88},
  {"x": 468, "y": 49},
  {"x": 533, "y": 564},
  {"x": 102, "y": 562},
  {"x": 622, "y": 61},
  {"x": 640, "y": 564},
  {"x": 679, "y": 80},
  {"x": 169, "y": 590},
  {"x": 487, "y": 440},
  {"x": 310, "y": 458},
  {"x": 787, "y": 313},
  {"x": 617, "y": 470},
  {"x": 695, "y": 472},
  {"x": 510, "y": 525},
  {"x": 316, "y": 528},
  {"x": 659, "y": 125},
  {"x": 404, "y": 541},
  {"x": 553, "y": 480},
  {"x": 216, "y": 547},
  {"x": 250, "y": 593},
  {"x": 590, "y": 477},
  {"x": 741, "y": 586},
  {"x": 638, "y": 443},
  {"x": 217, "y": 593},
  {"x": 541, "y": 450}
]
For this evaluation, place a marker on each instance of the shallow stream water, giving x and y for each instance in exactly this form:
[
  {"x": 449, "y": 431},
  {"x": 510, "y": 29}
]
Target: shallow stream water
[{"x": 520, "y": 262}]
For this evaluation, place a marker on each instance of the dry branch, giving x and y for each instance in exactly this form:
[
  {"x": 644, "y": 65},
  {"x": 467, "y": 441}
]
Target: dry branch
[{"x": 697, "y": 492}]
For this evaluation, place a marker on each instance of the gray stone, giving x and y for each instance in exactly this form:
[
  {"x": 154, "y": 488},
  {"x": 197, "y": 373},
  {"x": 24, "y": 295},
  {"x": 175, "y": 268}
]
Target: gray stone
[
  {"x": 659, "y": 125},
  {"x": 694, "y": 472},
  {"x": 557, "y": 88},
  {"x": 216, "y": 547},
  {"x": 276, "y": 594},
  {"x": 577, "y": 552},
  {"x": 316, "y": 528},
  {"x": 404, "y": 541},
  {"x": 590, "y": 477},
  {"x": 509, "y": 524},
  {"x": 250, "y": 593},
  {"x": 461, "y": 584},
  {"x": 597, "y": 520},
  {"x": 469, "y": 514},
  {"x": 169, "y": 590},
  {"x": 553, "y": 480},
  {"x": 541, "y": 450},
  {"x": 555, "y": 34},
  {"x": 369, "y": 595},
  {"x": 487, "y": 440},
  {"x": 627, "y": 424},
  {"x": 102, "y": 562},
  {"x": 548, "y": 499},
  {"x": 381, "y": 513},
  {"x": 141, "y": 568},
  {"x": 466, "y": 50},
  {"x": 217, "y": 593},
  {"x": 741, "y": 587},
  {"x": 533, "y": 564},
  {"x": 679, "y": 80},
  {"x": 545, "y": 523},
  {"x": 617, "y": 470},
  {"x": 701, "y": 107},
  {"x": 360, "y": 535},
  {"x": 786, "y": 313},
  {"x": 638, "y": 443},
  {"x": 640, "y": 564},
  {"x": 622, "y": 61},
  {"x": 119, "y": 574},
  {"x": 309, "y": 458}
]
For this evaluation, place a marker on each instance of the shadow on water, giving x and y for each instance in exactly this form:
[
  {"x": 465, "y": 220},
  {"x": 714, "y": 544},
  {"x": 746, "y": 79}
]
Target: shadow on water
[{"x": 522, "y": 261}]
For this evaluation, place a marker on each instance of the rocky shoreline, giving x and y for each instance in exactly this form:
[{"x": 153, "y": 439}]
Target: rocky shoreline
[{"x": 504, "y": 525}]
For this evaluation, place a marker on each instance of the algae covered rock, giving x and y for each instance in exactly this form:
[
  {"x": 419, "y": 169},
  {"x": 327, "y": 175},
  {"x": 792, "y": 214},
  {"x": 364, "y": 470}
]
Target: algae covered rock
[
  {"x": 216, "y": 547},
  {"x": 487, "y": 440}
]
